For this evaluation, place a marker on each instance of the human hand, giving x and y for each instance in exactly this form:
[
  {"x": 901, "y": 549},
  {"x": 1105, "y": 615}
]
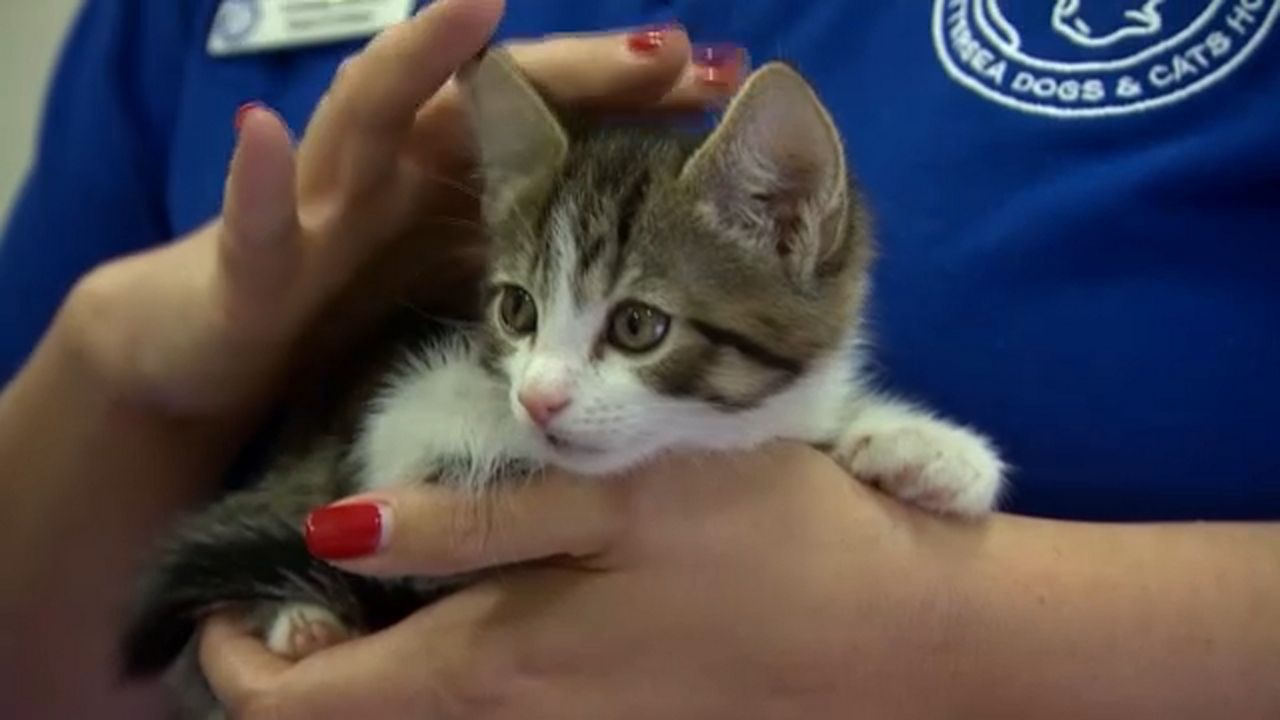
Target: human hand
[
  {"x": 204, "y": 327},
  {"x": 761, "y": 585}
]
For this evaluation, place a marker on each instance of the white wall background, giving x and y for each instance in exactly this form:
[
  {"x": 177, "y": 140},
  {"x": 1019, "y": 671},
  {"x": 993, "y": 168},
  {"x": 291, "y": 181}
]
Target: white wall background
[{"x": 31, "y": 32}]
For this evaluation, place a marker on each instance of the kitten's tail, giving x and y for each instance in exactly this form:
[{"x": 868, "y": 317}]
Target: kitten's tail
[{"x": 245, "y": 553}]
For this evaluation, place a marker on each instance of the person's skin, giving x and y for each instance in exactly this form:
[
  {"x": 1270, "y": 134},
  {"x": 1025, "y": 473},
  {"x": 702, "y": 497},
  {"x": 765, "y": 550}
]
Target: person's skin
[
  {"x": 159, "y": 365},
  {"x": 768, "y": 585}
]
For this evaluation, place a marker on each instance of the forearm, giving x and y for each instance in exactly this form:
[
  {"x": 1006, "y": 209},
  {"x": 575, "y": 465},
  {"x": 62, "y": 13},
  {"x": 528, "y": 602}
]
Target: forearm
[
  {"x": 1089, "y": 620},
  {"x": 89, "y": 483}
]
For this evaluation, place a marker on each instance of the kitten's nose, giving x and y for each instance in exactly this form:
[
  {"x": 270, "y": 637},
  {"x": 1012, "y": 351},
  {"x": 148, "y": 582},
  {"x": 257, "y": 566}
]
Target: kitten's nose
[{"x": 542, "y": 405}]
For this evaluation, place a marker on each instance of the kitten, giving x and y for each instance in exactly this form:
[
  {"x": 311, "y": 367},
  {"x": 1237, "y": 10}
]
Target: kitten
[{"x": 646, "y": 291}]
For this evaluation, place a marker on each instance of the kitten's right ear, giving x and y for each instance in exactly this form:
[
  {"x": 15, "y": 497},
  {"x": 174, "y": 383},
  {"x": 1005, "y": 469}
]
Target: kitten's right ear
[{"x": 521, "y": 143}]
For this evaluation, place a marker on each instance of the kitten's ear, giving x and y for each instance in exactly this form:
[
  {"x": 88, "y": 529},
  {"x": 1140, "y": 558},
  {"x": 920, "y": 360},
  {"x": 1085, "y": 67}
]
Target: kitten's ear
[
  {"x": 521, "y": 143},
  {"x": 772, "y": 174}
]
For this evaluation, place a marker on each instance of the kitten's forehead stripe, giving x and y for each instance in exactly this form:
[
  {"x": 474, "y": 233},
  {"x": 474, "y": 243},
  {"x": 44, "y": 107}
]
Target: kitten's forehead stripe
[
  {"x": 596, "y": 203},
  {"x": 591, "y": 228},
  {"x": 629, "y": 204},
  {"x": 591, "y": 248}
]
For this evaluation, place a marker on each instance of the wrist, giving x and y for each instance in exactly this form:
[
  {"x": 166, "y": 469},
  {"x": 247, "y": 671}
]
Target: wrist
[
  {"x": 939, "y": 630},
  {"x": 97, "y": 476},
  {"x": 88, "y": 351},
  {"x": 77, "y": 368},
  {"x": 162, "y": 357},
  {"x": 973, "y": 574},
  {"x": 1071, "y": 619},
  {"x": 914, "y": 644},
  {"x": 959, "y": 613}
]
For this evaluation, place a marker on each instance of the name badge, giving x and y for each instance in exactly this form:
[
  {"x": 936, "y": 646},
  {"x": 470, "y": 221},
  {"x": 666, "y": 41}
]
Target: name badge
[{"x": 254, "y": 26}]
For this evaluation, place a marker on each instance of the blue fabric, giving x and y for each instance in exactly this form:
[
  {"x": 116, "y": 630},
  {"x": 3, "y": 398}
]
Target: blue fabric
[{"x": 1098, "y": 293}]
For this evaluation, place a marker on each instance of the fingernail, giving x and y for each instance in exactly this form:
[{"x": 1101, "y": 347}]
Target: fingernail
[
  {"x": 243, "y": 111},
  {"x": 719, "y": 63},
  {"x": 347, "y": 531},
  {"x": 648, "y": 40}
]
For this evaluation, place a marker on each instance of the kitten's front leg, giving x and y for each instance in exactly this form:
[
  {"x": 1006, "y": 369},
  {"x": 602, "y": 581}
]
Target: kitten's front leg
[{"x": 921, "y": 459}]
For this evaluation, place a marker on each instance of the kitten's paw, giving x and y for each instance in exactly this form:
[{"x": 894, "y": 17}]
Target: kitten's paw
[
  {"x": 299, "y": 629},
  {"x": 926, "y": 462}
]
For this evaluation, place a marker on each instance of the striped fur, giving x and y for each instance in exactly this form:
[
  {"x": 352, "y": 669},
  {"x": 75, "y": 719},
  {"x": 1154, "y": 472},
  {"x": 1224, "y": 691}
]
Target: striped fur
[
  {"x": 618, "y": 223},
  {"x": 751, "y": 240}
]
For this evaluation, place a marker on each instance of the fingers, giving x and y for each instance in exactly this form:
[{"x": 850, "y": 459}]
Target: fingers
[
  {"x": 434, "y": 530},
  {"x": 360, "y": 125},
  {"x": 259, "y": 218},
  {"x": 609, "y": 72},
  {"x": 648, "y": 69},
  {"x": 604, "y": 71},
  {"x": 386, "y": 84},
  {"x": 656, "y": 68},
  {"x": 238, "y": 666},
  {"x": 393, "y": 673}
]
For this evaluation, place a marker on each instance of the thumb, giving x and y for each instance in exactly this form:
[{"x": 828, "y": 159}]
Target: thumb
[
  {"x": 436, "y": 530},
  {"x": 259, "y": 244}
]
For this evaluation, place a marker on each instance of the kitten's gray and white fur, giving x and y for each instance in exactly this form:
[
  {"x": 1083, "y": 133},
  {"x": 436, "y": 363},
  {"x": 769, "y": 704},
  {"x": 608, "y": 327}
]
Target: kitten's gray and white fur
[{"x": 647, "y": 291}]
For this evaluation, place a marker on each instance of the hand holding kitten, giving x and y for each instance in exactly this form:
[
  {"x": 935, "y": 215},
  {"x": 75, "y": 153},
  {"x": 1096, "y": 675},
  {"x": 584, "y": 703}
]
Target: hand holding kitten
[
  {"x": 745, "y": 585},
  {"x": 763, "y": 206}
]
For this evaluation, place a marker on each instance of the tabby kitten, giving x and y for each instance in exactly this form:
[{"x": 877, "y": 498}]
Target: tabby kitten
[{"x": 647, "y": 291}]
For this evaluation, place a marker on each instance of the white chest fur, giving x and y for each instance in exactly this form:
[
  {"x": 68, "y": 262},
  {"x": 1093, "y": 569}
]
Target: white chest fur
[{"x": 441, "y": 406}]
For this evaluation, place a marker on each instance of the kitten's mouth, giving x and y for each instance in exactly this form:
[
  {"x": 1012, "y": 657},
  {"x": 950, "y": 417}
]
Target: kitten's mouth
[{"x": 559, "y": 443}]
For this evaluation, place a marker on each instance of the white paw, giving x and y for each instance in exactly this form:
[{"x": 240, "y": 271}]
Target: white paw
[
  {"x": 299, "y": 629},
  {"x": 924, "y": 461}
]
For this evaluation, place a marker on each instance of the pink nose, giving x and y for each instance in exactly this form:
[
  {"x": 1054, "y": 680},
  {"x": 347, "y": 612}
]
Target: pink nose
[{"x": 543, "y": 406}]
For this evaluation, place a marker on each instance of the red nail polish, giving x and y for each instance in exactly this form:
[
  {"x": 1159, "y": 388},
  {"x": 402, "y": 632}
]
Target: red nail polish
[
  {"x": 648, "y": 40},
  {"x": 343, "y": 532},
  {"x": 243, "y": 111},
  {"x": 718, "y": 64},
  {"x": 717, "y": 55}
]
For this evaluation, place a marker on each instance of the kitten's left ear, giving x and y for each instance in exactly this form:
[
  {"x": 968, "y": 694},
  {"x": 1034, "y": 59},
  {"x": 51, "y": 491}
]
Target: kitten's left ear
[
  {"x": 521, "y": 143},
  {"x": 773, "y": 172}
]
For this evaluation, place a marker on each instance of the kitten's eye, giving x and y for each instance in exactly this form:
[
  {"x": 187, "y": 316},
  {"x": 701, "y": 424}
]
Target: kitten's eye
[
  {"x": 516, "y": 311},
  {"x": 638, "y": 328}
]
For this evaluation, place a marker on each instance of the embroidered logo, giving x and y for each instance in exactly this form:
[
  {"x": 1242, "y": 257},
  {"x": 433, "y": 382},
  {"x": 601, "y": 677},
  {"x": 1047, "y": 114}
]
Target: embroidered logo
[
  {"x": 236, "y": 20},
  {"x": 1095, "y": 58}
]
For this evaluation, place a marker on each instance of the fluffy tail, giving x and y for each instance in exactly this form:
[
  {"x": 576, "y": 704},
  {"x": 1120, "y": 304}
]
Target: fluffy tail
[{"x": 242, "y": 551}]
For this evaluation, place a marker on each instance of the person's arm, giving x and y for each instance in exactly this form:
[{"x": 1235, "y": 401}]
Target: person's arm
[
  {"x": 129, "y": 410},
  {"x": 88, "y": 482},
  {"x": 1071, "y": 620},
  {"x": 772, "y": 586},
  {"x": 96, "y": 187}
]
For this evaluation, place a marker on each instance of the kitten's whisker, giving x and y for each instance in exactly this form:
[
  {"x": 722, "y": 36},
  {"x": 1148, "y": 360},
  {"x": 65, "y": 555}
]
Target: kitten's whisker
[
  {"x": 453, "y": 221},
  {"x": 471, "y": 192},
  {"x": 449, "y": 182},
  {"x": 416, "y": 310},
  {"x": 431, "y": 317}
]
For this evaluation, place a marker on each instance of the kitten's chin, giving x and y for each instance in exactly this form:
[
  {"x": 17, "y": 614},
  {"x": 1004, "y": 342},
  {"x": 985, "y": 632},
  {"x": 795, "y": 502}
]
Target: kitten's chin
[{"x": 580, "y": 460}]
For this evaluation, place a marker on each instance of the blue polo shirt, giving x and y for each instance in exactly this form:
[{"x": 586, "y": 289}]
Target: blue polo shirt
[{"x": 1078, "y": 206}]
